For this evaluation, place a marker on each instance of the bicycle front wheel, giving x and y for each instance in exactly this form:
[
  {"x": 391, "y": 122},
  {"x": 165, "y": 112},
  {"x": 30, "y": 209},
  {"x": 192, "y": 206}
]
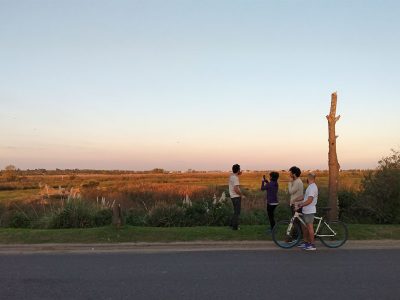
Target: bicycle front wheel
[
  {"x": 333, "y": 234},
  {"x": 284, "y": 238}
]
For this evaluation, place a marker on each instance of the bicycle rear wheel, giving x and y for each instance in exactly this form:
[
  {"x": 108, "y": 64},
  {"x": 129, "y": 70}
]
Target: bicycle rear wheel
[
  {"x": 333, "y": 234},
  {"x": 281, "y": 237}
]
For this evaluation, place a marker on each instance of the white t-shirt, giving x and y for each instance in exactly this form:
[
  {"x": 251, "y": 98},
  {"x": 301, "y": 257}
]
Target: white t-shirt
[
  {"x": 312, "y": 190},
  {"x": 233, "y": 180}
]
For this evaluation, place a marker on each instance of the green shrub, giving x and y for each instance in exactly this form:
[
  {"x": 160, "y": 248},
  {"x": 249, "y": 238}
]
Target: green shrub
[
  {"x": 3, "y": 210},
  {"x": 167, "y": 216},
  {"x": 282, "y": 212},
  {"x": 200, "y": 213},
  {"x": 254, "y": 217},
  {"x": 323, "y": 197},
  {"x": 220, "y": 214},
  {"x": 352, "y": 209},
  {"x": 347, "y": 200},
  {"x": 380, "y": 190},
  {"x": 103, "y": 217},
  {"x": 43, "y": 222},
  {"x": 19, "y": 220},
  {"x": 136, "y": 218},
  {"x": 75, "y": 214},
  {"x": 195, "y": 215}
]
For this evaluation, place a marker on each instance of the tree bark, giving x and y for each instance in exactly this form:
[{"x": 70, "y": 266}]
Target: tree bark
[
  {"x": 117, "y": 216},
  {"x": 334, "y": 166}
]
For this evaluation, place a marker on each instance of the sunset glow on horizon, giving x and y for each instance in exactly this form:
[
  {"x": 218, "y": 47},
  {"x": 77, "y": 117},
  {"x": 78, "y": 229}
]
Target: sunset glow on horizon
[{"x": 137, "y": 85}]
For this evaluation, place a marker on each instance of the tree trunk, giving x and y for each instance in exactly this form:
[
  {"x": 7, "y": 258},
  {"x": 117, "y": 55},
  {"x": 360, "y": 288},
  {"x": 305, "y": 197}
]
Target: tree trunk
[
  {"x": 333, "y": 161},
  {"x": 117, "y": 216}
]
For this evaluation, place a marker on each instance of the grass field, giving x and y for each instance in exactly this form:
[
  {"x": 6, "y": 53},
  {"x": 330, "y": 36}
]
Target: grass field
[
  {"x": 67, "y": 200},
  {"x": 154, "y": 234},
  {"x": 153, "y": 189}
]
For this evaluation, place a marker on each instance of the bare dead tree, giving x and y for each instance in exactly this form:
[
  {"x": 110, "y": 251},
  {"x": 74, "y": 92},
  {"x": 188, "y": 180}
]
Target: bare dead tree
[
  {"x": 117, "y": 216},
  {"x": 334, "y": 166}
]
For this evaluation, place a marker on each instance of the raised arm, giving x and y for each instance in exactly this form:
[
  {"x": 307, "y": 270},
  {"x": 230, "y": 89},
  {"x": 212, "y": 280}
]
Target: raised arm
[{"x": 264, "y": 185}]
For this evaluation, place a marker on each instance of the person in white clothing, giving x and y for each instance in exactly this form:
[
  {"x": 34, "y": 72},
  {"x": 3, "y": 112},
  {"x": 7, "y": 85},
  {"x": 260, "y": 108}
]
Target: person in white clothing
[
  {"x": 308, "y": 205},
  {"x": 236, "y": 195}
]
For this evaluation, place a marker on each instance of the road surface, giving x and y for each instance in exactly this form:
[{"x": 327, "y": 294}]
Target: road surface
[{"x": 241, "y": 274}]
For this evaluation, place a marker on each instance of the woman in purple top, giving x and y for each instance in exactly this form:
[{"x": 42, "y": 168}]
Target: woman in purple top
[{"x": 271, "y": 198}]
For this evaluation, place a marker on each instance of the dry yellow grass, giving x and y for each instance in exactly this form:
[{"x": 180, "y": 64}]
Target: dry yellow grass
[{"x": 147, "y": 190}]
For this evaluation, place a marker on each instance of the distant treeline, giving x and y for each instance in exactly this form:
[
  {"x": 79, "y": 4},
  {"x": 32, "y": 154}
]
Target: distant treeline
[
  {"x": 88, "y": 171},
  {"x": 153, "y": 171}
]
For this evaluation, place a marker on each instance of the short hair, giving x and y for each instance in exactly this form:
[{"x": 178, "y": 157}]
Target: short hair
[
  {"x": 235, "y": 168},
  {"x": 274, "y": 176},
  {"x": 311, "y": 175},
  {"x": 295, "y": 170}
]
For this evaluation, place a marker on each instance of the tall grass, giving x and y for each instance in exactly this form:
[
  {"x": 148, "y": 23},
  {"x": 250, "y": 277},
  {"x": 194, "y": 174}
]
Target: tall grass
[{"x": 146, "y": 199}]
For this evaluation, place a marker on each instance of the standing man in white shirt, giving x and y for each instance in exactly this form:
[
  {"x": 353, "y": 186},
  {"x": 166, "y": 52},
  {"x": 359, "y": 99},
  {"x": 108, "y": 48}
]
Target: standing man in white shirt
[
  {"x": 236, "y": 195},
  {"x": 308, "y": 205}
]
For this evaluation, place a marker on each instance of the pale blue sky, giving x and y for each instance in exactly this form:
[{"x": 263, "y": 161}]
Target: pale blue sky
[{"x": 197, "y": 84}]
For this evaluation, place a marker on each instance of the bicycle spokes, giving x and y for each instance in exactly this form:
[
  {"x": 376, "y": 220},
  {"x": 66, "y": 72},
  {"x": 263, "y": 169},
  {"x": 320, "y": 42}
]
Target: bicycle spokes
[
  {"x": 286, "y": 234},
  {"x": 333, "y": 234}
]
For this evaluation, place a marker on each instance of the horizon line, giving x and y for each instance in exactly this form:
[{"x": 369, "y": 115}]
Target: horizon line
[{"x": 165, "y": 171}]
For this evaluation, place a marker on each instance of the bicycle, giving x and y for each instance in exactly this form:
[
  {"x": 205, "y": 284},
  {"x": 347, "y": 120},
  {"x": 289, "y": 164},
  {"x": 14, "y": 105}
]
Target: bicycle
[{"x": 287, "y": 234}]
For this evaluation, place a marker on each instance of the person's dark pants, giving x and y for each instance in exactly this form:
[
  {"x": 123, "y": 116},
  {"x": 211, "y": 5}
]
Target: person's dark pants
[
  {"x": 236, "y": 202},
  {"x": 271, "y": 216}
]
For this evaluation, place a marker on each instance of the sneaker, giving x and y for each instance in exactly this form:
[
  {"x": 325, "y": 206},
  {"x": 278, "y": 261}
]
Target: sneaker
[
  {"x": 310, "y": 247},
  {"x": 302, "y": 245}
]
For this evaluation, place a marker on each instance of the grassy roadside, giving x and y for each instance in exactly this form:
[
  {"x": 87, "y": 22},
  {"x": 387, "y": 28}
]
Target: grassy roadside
[{"x": 156, "y": 234}]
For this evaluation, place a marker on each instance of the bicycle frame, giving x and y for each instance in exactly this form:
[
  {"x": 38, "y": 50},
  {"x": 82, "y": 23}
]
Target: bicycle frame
[{"x": 298, "y": 215}]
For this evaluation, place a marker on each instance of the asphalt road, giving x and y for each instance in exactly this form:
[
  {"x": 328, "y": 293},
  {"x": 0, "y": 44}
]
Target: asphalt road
[{"x": 275, "y": 274}]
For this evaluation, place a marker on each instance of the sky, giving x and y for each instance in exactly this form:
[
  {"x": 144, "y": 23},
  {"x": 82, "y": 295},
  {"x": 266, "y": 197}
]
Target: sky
[{"x": 136, "y": 85}]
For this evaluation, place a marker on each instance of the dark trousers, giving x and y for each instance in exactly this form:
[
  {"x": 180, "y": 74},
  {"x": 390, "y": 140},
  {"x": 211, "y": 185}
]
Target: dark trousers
[
  {"x": 236, "y": 202},
  {"x": 271, "y": 216}
]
